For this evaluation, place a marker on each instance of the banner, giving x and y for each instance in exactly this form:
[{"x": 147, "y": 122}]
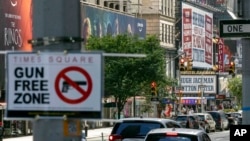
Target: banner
[
  {"x": 16, "y": 24},
  {"x": 197, "y": 35},
  {"x": 191, "y": 83},
  {"x": 99, "y": 22}
]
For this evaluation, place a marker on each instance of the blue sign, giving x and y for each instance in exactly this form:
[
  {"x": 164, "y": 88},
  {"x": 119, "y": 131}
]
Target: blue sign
[
  {"x": 102, "y": 22},
  {"x": 166, "y": 101}
]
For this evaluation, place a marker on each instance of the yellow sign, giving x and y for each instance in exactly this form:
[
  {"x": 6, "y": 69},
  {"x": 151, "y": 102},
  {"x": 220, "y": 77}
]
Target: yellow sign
[{"x": 72, "y": 127}]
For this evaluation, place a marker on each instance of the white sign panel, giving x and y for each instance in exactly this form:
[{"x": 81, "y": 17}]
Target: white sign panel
[
  {"x": 56, "y": 83},
  {"x": 190, "y": 83},
  {"x": 197, "y": 35},
  {"x": 236, "y": 28}
]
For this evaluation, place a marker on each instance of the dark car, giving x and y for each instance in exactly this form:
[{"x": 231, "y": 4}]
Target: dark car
[
  {"x": 195, "y": 121},
  {"x": 220, "y": 118},
  {"x": 237, "y": 116},
  {"x": 137, "y": 128},
  {"x": 174, "y": 134},
  {"x": 208, "y": 120},
  {"x": 231, "y": 119}
]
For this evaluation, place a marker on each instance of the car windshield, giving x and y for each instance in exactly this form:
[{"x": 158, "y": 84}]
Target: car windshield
[
  {"x": 128, "y": 130},
  {"x": 216, "y": 116},
  {"x": 202, "y": 117},
  {"x": 163, "y": 137},
  {"x": 181, "y": 118}
]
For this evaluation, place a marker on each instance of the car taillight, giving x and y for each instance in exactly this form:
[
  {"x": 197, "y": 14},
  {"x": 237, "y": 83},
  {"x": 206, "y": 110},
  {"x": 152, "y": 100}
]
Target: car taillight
[
  {"x": 171, "y": 133},
  {"x": 115, "y": 138}
]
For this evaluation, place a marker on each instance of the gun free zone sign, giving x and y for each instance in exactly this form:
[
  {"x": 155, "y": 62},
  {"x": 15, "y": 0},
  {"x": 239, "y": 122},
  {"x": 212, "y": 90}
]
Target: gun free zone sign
[{"x": 54, "y": 84}]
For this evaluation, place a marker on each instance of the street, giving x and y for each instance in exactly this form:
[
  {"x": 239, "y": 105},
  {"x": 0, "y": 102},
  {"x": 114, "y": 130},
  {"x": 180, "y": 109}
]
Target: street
[{"x": 103, "y": 133}]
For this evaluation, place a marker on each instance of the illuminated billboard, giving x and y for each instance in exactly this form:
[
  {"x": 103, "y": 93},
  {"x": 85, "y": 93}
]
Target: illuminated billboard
[
  {"x": 15, "y": 24},
  {"x": 190, "y": 83},
  {"x": 100, "y": 22},
  {"x": 197, "y": 35},
  {"x": 16, "y": 28}
]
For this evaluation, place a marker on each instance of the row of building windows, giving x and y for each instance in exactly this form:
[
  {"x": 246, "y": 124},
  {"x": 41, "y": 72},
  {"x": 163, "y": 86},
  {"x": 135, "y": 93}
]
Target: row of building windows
[
  {"x": 167, "y": 33},
  {"x": 168, "y": 7}
]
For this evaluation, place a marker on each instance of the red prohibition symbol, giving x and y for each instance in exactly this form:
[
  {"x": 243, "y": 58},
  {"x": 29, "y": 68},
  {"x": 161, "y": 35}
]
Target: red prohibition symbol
[{"x": 63, "y": 77}]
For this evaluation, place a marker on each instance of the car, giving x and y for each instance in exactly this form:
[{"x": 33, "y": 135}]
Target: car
[
  {"x": 137, "y": 128},
  {"x": 195, "y": 121},
  {"x": 177, "y": 134},
  {"x": 209, "y": 122},
  {"x": 220, "y": 119},
  {"x": 237, "y": 116},
  {"x": 231, "y": 119}
]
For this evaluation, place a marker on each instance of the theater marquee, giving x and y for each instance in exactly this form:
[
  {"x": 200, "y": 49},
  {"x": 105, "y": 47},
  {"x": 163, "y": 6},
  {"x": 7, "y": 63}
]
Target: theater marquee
[{"x": 190, "y": 83}]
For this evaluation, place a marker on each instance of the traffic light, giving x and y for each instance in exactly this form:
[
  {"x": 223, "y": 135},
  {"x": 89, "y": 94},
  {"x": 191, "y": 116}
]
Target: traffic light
[
  {"x": 199, "y": 93},
  {"x": 180, "y": 93},
  {"x": 153, "y": 89},
  {"x": 182, "y": 64},
  {"x": 190, "y": 64},
  {"x": 231, "y": 68},
  {"x": 215, "y": 68}
]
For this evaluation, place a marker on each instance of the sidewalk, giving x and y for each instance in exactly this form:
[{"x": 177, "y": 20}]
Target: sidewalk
[{"x": 93, "y": 133}]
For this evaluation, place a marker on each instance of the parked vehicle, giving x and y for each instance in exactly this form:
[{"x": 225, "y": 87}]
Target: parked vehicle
[
  {"x": 137, "y": 128},
  {"x": 177, "y": 134},
  {"x": 220, "y": 119},
  {"x": 231, "y": 119},
  {"x": 209, "y": 122},
  {"x": 194, "y": 121}
]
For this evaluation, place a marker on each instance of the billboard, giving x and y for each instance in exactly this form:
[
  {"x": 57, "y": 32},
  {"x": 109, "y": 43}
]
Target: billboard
[
  {"x": 16, "y": 28},
  {"x": 197, "y": 35},
  {"x": 100, "y": 22},
  {"x": 225, "y": 56},
  {"x": 190, "y": 83},
  {"x": 15, "y": 25}
]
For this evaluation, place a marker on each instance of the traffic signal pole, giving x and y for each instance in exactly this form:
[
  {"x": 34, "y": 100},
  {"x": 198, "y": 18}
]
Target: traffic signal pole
[
  {"x": 54, "y": 19},
  {"x": 246, "y": 69}
]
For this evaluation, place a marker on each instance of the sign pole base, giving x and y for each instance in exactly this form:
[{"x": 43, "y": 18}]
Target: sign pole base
[{"x": 61, "y": 129}]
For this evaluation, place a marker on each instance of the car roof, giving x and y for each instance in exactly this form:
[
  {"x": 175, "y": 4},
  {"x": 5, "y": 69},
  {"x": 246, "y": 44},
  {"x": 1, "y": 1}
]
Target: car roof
[
  {"x": 220, "y": 111},
  {"x": 186, "y": 131},
  {"x": 145, "y": 119},
  {"x": 201, "y": 114}
]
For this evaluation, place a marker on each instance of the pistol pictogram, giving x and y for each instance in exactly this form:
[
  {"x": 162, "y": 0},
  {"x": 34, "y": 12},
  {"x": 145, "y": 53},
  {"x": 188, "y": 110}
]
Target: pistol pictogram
[{"x": 66, "y": 85}]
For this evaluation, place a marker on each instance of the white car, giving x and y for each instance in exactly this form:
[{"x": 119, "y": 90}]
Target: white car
[
  {"x": 210, "y": 124},
  {"x": 177, "y": 134}
]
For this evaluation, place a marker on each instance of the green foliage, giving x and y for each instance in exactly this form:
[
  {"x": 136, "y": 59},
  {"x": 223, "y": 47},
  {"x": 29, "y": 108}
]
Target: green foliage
[
  {"x": 130, "y": 76},
  {"x": 235, "y": 87}
]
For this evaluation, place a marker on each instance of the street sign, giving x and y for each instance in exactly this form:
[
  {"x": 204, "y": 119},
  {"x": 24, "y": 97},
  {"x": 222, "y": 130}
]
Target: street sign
[
  {"x": 234, "y": 28},
  {"x": 54, "y": 84},
  {"x": 156, "y": 99}
]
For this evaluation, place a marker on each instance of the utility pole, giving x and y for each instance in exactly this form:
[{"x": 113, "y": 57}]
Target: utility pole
[
  {"x": 246, "y": 69},
  {"x": 56, "y": 27}
]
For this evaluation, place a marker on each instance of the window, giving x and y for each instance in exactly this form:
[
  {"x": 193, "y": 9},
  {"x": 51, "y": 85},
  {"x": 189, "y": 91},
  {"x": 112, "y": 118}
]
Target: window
[
  {"x": 135, "y": 129},
  {"x": 205, "y": 137},
  {"x": 163, "y": 137}
]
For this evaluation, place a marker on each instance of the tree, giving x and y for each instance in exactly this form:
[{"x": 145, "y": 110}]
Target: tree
[
  {"x": 127, "y": 76},
  {"x": 235, "y": 87}
]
